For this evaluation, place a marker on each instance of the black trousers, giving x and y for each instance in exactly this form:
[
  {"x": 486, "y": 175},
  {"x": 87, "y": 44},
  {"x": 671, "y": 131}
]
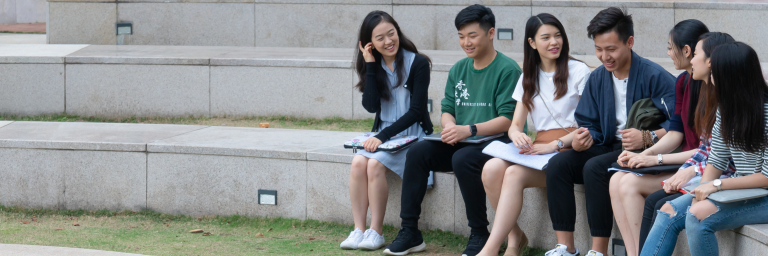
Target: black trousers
[
  {"x": 465, "y": 160},
  {"x": 653, "y": 203},
  {"x": 588, "y": 167}
]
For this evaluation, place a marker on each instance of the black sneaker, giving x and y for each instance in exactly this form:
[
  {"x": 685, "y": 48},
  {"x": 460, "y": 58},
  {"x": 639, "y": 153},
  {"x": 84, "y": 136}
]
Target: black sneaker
[
  {"x": 407, "y": 241},
  {"x": 475, "y": 245}
]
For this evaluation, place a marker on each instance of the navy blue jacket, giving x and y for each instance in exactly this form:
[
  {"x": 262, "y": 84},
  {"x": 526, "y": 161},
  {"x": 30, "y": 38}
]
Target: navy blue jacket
[{"x": 646, "y": 80}]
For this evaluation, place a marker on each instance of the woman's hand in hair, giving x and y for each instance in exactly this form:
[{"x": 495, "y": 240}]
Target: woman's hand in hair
[
  {"x": 521, "y": 140},
  {"x": 674, "y": 183},
  {"x": 367, "y": 51},
  {"x": 371, "y": 144}
]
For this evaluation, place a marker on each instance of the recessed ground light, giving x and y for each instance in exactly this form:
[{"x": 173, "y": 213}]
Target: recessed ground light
[
  {"x": 124, "y": 28},
  {"x": 268, "y": 197},
  {"x": 504, "y": 33}
]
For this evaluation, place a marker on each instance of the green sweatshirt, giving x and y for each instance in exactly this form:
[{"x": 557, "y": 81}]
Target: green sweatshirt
[{"x": 476, "y": 96}]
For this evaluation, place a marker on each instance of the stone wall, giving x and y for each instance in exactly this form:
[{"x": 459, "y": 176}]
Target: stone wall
[
  {"x": 23, "y": 11},
  {"x": 335, "y": 23}
]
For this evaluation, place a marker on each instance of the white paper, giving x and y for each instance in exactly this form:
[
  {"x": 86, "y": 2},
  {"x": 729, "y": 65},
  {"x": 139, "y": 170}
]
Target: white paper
[{"x": 511, "y": 153}]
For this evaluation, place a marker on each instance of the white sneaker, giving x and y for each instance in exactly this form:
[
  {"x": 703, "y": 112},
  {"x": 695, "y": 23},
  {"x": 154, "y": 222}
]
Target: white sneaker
[
  {"x": 562, "y": 250},
  {"x": 371, "y": 241},
  {"x": 352, "y": 240},
  {"x": 593, "y": 253}
]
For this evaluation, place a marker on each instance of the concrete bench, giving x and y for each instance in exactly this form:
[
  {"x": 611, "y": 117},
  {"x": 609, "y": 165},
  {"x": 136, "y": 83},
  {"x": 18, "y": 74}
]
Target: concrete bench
[
  {"x": 172, "y": 81},
  {"x": 202, "y": 170}
]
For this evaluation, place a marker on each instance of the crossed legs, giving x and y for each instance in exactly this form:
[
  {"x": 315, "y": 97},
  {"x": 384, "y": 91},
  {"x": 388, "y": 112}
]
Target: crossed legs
[{"x": 504, "y": 184}]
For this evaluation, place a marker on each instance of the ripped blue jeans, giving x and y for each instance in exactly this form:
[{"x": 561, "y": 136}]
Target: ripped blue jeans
[
  {"x": 701, "y": 234},
  {"x": 663, "y": 235}
]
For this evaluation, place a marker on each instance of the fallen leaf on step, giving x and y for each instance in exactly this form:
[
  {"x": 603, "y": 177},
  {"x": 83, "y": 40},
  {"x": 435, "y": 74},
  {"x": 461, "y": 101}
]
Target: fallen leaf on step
[
  {"x": 34, "y": 219},
  {"x": 270, "y": 229},
  {"x": 58, "y": 229},
  {"x": 75, "y": 224},
  {"x": 259, "y": 235},
  {"x": 25, "y": 222},
  {"x": 207, "y": 234},
  {"x": 167, "y": 225},
  {"x": 196, "y": 231},
  {"x": 311, "y": 238}
]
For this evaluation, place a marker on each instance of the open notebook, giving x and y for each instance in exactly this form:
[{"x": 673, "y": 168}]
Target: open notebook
[{"x": 511, "y": 153}]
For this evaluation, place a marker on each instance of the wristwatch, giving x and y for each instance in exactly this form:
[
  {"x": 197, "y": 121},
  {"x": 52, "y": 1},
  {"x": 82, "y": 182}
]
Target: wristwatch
[
  {"x": 717, "y": 184},
  {"x": 473, "y": 129},
  {"x": 560, "y": 144},
  {"x": 661, "y": 160},
  {"x": 654, "y": 138}
]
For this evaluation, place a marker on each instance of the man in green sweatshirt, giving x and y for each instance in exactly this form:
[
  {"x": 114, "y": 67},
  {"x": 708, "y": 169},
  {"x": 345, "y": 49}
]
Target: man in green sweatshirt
[{"x": 478, "y": 101}]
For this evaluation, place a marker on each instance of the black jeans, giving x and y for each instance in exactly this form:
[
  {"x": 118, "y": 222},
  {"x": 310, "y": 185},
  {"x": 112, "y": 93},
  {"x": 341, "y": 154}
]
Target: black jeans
[
  {"x": 465, "y": 160},
  {"x": 653, "y": 203},
  {"x": 588, "y": 167}
]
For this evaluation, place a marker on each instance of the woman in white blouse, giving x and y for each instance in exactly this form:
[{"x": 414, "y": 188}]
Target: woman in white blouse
[{"x": 549, "y": 90}]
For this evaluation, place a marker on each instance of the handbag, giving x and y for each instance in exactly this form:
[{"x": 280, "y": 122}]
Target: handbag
[{"x": 544, "y": 137}]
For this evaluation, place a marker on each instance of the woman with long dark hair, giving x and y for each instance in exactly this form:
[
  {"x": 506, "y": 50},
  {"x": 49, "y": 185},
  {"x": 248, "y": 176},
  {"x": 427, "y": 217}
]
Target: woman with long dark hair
[
  {"x": 656, "y": 243},
  {"x": 628, "y": 191},
  {"x": 549, "y": 90},
  {"x": 394, "y": 78},
  {"x": 739, "y": 132}
]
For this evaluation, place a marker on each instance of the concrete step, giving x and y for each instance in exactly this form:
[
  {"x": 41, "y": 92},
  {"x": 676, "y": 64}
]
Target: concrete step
[
  {"x": 202, "y": 170},
  {"x": 172, "y": 81}
]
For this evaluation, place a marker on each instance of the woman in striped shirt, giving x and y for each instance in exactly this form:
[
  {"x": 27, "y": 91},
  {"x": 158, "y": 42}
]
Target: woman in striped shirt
[{"x": 739, "y": 132}]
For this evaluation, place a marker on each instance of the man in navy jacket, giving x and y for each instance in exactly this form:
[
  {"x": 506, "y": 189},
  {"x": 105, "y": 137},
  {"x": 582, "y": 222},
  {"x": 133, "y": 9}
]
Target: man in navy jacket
[{"x": 612, "y": 88}]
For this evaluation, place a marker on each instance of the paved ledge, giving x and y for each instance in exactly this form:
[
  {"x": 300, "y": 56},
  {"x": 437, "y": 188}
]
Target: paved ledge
[
  {"x": 37, "y": 250},
  {"x": 251, "y": 142},
  {"x": 37, "y": 53},
  {"x": 87, "y": 136}
]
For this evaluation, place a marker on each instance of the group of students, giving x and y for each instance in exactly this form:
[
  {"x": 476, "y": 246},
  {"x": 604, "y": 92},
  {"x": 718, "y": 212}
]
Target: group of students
[{"x": 716, "y": 111}]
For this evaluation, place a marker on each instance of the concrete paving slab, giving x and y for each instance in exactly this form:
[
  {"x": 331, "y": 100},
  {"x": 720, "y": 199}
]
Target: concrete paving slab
[
  {"x": 87, "y": 136},
  {"x": 37, "y": 250},
  {"x": 4, "y": 123},
  {"x": 254, "y": 142},
  {"x": 286, "y": 57},
  {"x": 147, "y": 54},
  {"x": 7, "y": 38},
  {"x": 36, "y": 53}
]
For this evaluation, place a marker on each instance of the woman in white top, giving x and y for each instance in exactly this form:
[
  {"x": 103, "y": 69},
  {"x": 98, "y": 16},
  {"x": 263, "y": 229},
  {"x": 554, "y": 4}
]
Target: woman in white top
[{"x": 549, "y": 90}]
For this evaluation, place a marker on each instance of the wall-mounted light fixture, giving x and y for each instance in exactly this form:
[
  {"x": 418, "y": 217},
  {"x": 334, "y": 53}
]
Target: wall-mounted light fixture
[
  {"x": 504, "y": 33},
  {"x": 268, "y": 197},
  {"x": 124, "y": 28}
]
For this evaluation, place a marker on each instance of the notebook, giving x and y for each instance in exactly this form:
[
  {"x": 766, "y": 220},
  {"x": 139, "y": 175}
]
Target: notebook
[
  {"x": 472, "y": 139},
  {"x": 509, "y": 152},
  {"x": 731, "y": 195},
  {"x": 396, "y": 143},
  {"x": 652, "y": 170}
]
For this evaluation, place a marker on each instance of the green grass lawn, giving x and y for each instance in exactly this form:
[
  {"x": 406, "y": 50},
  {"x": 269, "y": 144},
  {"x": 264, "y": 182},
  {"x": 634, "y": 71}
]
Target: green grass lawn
[{"x": 153, "y": 233}]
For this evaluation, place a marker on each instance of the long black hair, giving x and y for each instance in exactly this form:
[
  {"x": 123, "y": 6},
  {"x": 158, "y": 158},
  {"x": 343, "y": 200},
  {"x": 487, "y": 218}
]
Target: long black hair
[
  {"x": 741, "y": 94},
  {"x": 707, "y": 109},
  {"x": 684, "y": 33},
  {"x": 532, "y": 59},
  {"x": 372, "y": 20}
]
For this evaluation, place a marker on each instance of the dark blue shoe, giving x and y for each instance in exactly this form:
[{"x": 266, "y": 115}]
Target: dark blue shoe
[
  {"x": 475, "y": 245},
  {"x": 407, "y": 241}
]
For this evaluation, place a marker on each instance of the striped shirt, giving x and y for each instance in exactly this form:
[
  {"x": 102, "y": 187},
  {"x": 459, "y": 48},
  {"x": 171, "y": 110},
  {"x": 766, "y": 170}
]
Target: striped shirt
[{"x": 746, "y": 163}]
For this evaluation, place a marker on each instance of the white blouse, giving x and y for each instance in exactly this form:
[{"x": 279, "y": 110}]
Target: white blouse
[{"x": 563, "y": 108}]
